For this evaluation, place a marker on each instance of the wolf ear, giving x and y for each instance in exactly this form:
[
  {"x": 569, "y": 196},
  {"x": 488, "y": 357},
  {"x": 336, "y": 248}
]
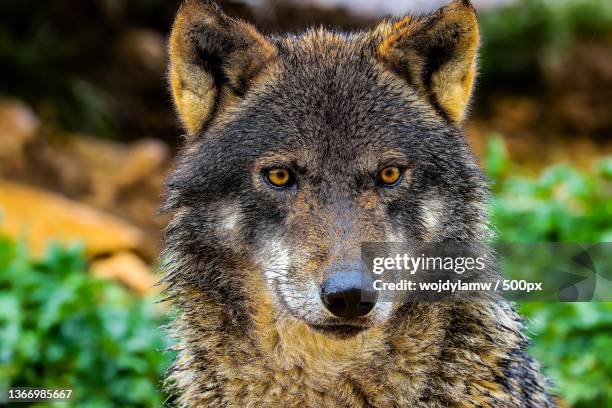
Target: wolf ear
[
  {"x": 213, "y": 60},
  {"x": 436, "y": 54}
]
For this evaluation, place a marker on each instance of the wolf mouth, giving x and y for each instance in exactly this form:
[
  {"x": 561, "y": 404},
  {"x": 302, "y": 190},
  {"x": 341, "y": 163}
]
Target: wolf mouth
[{"x": 342, "y": 331}]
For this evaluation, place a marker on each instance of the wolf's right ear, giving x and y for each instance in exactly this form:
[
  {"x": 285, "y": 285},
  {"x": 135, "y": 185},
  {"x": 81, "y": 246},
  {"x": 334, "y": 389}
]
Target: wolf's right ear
[{"x": 213, "y": 60}]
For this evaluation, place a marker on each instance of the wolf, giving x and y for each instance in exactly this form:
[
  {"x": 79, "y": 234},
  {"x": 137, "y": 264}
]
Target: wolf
[{"x": 299, "y": 148}]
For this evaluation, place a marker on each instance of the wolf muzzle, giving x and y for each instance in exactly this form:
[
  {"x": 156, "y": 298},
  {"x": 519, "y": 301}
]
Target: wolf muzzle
[{"x": 349, "y": 291}]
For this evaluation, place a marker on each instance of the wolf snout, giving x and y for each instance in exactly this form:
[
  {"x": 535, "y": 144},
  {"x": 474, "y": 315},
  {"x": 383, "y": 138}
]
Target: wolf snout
[{"x": 349, "y": 293}]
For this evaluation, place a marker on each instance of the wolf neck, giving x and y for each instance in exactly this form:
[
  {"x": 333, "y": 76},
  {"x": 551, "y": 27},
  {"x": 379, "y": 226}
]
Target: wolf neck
[{"x": 283, "y": 362}]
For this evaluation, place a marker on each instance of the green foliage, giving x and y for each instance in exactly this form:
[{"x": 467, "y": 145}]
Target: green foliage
[
  {"x": 62, "y": 328},
  {"x": 496, "y": 158},
  {"x": 572, "y": 340},
  {"x": 561, "y": 205}
]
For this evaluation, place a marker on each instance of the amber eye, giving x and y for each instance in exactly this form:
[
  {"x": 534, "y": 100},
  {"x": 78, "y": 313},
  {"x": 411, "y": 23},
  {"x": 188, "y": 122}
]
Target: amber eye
[
  {"x": 279, "y": 177},
  {"x": 390, "y": 175}
]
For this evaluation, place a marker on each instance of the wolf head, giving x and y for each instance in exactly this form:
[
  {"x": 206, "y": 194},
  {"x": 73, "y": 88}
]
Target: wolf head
[{"x": 300, "y": 148}]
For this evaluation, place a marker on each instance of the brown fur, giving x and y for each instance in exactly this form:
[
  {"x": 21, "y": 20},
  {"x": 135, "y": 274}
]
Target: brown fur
[{"x": 284, "y": 363}]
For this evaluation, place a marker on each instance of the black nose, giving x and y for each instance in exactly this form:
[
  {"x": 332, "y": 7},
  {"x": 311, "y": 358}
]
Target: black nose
[{"x": 349, "y": 293}]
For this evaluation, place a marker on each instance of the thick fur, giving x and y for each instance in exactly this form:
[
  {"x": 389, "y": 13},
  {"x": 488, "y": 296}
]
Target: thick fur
[{"x": 245, "y": 261}]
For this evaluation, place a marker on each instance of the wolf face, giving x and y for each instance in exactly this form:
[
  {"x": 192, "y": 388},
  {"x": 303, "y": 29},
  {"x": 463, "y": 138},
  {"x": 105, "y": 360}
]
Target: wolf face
[
  {"x": 300, "y": 149},
  {"x": 303, "y": 147}
]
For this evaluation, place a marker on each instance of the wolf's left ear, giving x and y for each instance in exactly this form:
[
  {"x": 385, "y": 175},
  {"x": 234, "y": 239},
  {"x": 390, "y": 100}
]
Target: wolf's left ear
[
  {"x": 213, "y": 61},
  {"x": 435, "y": 54}
]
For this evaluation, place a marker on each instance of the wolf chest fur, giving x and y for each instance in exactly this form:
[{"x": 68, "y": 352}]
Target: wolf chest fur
[{"x": 301, "y": 147}]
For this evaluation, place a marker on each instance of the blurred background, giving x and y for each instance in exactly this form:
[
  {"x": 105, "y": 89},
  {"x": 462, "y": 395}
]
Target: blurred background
[{"x": 87, "y": 135}]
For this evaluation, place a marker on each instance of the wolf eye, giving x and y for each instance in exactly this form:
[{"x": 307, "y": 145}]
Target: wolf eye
[
  {"x": 279, "y": 177},
  {"x": 390, "y": 175}
]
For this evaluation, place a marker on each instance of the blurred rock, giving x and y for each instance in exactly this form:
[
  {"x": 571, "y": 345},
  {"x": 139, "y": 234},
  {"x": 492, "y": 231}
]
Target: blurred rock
[
  {"x": 128, "y": 269},
  {"x": 125, "y": 180},
  {"x": 100, "y": 161},
  {"x": 18, "y": 125},
  {"x": 40, "y": 216},
  {"x": 52, "y": 165},
  {"x": 143, "y": 159}
]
